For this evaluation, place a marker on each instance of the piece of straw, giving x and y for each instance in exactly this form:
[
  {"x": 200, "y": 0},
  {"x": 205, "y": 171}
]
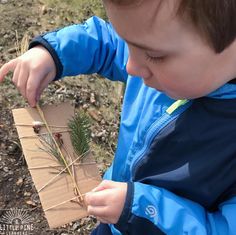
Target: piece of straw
[{"x": 61, "y": 203}]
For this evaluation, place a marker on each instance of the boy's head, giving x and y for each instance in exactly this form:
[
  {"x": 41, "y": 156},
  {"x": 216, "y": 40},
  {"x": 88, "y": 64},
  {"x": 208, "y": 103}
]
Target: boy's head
[
  {"x": 178, "y": 46},
  {"x": 214, "y": 19}
]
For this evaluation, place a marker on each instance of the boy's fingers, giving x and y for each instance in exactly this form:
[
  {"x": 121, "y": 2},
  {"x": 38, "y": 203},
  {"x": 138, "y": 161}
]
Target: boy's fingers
[
  {"x": 98, "y": 211},
  {"x": 22, "y": 81},
  {"x": 16, "y": 75},
  {"x": 98, "y": 188},
  {"x": 6, "y": 68},
  {"x": 43, "y": 85},
  {"x": 37, "y": 82},
  {"x": 32, "y": 87},
  {"x": 95, "y": 199},
  {"x": 105, "y": 184}
]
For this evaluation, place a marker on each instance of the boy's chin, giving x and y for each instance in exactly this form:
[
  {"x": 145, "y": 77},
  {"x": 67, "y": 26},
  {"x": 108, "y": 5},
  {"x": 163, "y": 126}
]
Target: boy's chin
[
  {"x": 172, "y": 96},
  {"x": 169, "y": 94}
]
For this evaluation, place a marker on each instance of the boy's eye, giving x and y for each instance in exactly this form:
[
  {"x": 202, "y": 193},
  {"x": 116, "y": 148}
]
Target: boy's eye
[{"x": 154, "y": 59}]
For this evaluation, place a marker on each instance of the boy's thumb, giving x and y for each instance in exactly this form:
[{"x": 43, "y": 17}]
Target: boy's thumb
[
  {"x": 98, "y": 188},
  {"x": 105, "y": 184}
]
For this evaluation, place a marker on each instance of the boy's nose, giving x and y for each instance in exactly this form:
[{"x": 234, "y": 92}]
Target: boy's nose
[{"x": 135, "y": 68}]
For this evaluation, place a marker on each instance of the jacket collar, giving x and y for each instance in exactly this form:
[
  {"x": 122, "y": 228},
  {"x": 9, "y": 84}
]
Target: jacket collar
[{"x": 227, "y": 91}]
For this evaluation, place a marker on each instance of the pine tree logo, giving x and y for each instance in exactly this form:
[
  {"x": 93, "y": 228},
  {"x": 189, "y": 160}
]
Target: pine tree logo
[{"x": 16, "y": 221}]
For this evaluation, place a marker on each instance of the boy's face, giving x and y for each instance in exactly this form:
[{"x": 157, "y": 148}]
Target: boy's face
[{"x": 168, "y": 53}]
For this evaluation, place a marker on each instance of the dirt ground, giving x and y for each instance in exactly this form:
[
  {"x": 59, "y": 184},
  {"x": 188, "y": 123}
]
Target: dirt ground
[{"x": 20, "y": 21}]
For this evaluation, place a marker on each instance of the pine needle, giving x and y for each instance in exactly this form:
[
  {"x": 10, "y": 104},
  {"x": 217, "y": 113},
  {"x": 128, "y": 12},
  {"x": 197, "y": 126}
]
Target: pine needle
[{"x": 48, "y": 146}]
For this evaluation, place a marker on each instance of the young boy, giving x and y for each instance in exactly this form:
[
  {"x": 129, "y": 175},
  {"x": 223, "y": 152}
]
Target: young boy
[{"x": 174, "y": 171}]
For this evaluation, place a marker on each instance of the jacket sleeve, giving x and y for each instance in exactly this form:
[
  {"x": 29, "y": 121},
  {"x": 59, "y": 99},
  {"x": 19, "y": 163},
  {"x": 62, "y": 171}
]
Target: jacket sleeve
[
  {"x": 92, "y": 47},
  {"x": 158, "y": 209}
]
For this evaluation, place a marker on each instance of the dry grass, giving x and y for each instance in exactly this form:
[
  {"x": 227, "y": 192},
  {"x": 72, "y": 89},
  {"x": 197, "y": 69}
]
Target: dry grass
[
  {"x": 84, "y": 8},
  {"x": 23, "y": 45}
]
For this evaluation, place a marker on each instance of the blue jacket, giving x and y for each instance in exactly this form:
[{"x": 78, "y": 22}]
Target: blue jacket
[{"x": 178, "y": 157}]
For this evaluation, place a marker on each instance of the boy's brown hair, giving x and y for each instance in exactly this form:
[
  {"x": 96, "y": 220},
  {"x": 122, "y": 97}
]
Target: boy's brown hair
[{"x": 214, "y": 19}]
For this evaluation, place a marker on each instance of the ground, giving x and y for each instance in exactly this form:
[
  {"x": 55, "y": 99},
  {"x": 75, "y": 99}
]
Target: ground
[{"x": 20, "y": 22}]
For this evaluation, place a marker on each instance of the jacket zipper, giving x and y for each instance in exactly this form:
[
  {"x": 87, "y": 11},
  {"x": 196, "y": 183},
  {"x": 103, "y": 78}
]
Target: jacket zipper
[{"x": 153, "y": 131}]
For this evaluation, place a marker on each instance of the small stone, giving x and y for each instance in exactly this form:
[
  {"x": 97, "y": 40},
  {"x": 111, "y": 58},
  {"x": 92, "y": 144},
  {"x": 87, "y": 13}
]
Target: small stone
[
  {"x": 27, "y": 194},
  {"x": 19, "y": 181},
  {"x": 12, "y": 50},
  {"x": 61, "y": 97},
  {"x": 44, "y": 10},
  {"x": 6, "y": 169},
  {"x": 35, "y": 198},
  {"x": 91, "y": 79},
  {"x": 12, "y": 148},
  {"x": 76, "y": 226},
  {"x": 103, "y": 122},
  {"x": 85, "y": 106},
  {"x": 94, "y": 115},
  {"x": 61, "y": 90},
  {"x": 92, "y": 98},
  {"x": 100, "y": 134},
  {"x": 31, "y": 203}
]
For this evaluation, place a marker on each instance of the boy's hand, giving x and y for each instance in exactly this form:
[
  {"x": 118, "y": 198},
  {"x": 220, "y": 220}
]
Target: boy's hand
[
  {"x": 106, "y": 201},
  {"x": 32, "y": 72}
]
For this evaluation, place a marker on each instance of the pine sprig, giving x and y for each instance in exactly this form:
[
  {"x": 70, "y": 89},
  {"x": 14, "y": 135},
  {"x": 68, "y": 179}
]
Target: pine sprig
[
  {"x": 50, "y": 147},
  {"x": 80, "y": 133}
]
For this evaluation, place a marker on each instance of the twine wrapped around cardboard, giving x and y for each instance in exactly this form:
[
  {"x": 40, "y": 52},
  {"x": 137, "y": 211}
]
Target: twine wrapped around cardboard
[{"x": 58, "y": 195}]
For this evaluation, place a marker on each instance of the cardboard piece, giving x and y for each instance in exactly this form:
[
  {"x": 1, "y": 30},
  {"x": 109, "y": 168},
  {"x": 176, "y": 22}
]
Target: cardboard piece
[{"x": 60, "y": 189}]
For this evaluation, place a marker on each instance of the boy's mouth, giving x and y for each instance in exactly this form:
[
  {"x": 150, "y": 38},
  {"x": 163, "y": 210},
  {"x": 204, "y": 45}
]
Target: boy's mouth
[{"x": 148, "y": 82}]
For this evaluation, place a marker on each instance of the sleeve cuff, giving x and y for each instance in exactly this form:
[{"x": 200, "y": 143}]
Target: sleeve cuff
[
  {"x": 122, "y": 224},
  {"x": 39, "y": 40}
]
